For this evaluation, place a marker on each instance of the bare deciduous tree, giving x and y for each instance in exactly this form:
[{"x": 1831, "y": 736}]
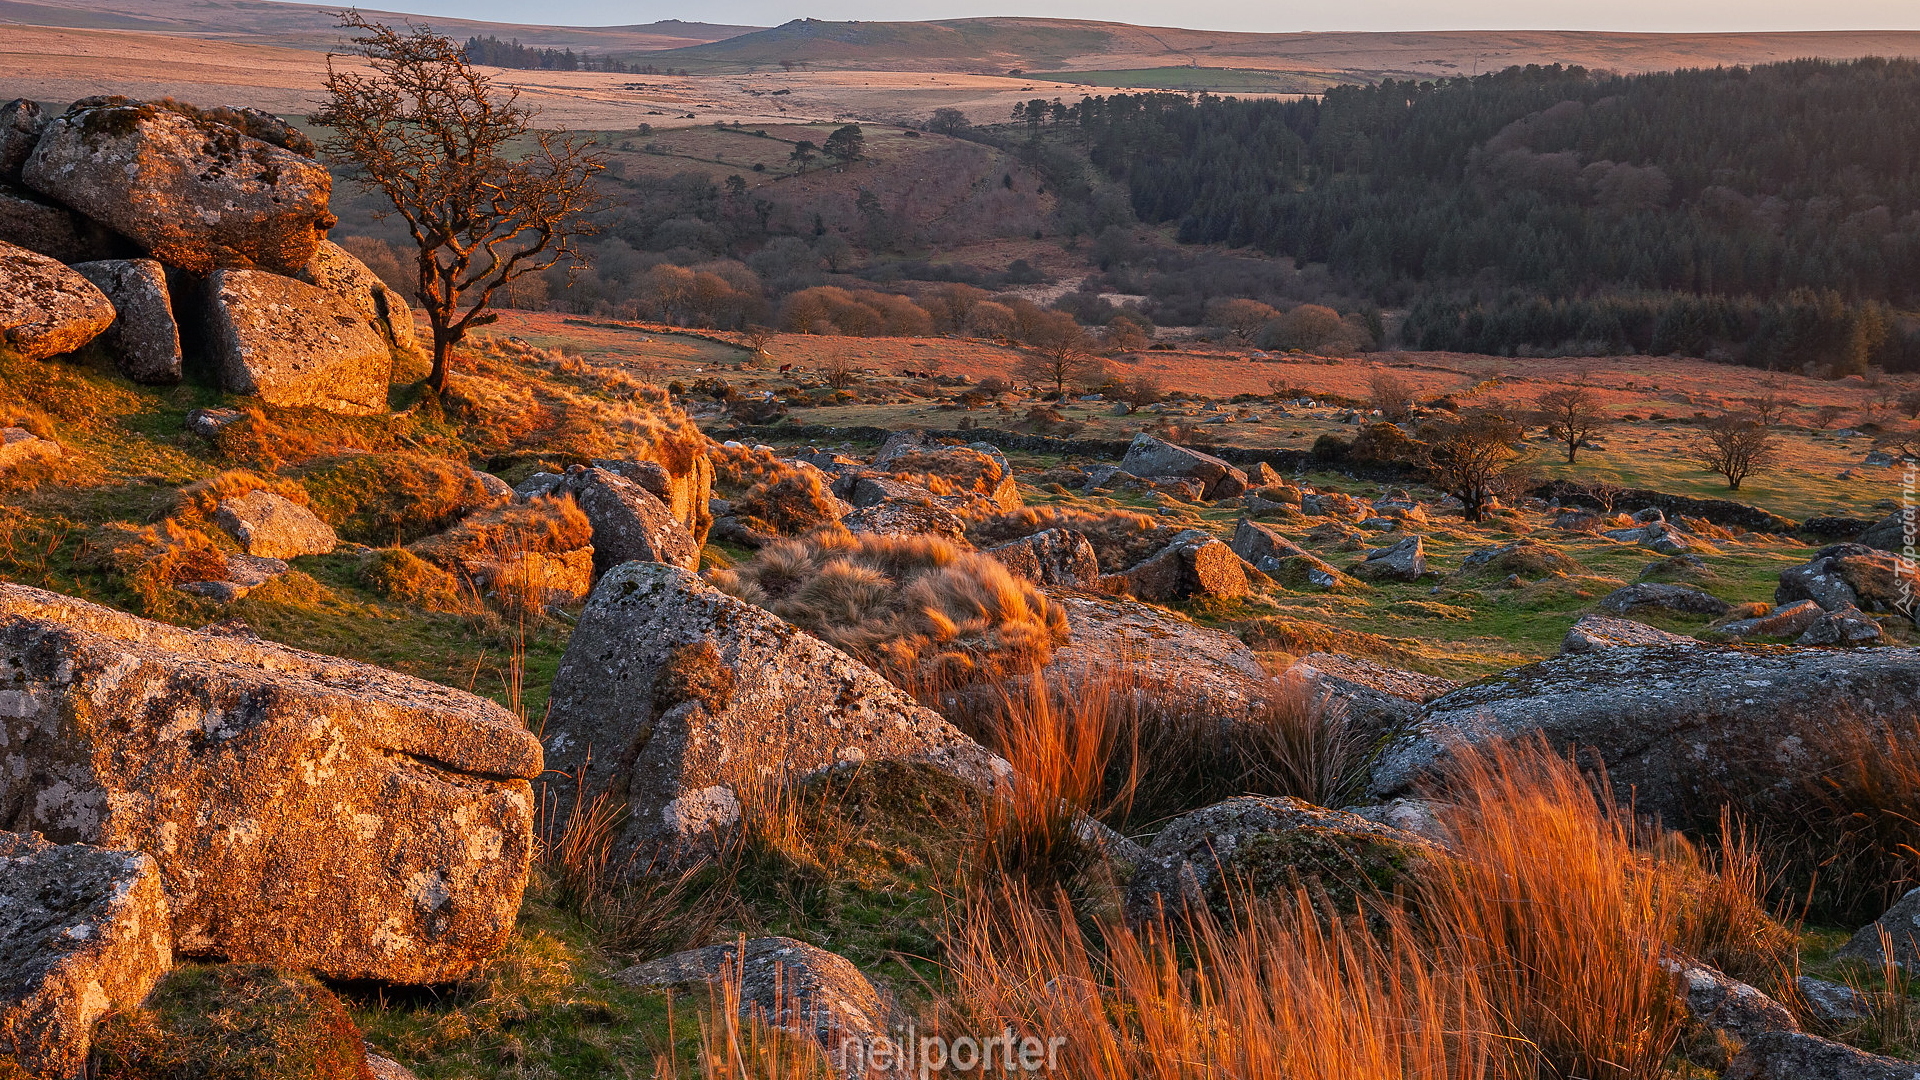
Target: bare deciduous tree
[
  {"x": 1825, "y": 416},
  {"x": 1737, "y": 446},
  {"x": 1058, "y": 353},
  {"x": 1768, "y": 408},
  {"x": 432, "y": 134},
  {"x": 1388, "y": 393},
  {"x": 1468, "y": 458},
  {"x": 1572, "y": 415}
]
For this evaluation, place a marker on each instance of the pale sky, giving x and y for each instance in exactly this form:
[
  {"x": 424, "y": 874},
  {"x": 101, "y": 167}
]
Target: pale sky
[{"x": 1668, "y": 16}]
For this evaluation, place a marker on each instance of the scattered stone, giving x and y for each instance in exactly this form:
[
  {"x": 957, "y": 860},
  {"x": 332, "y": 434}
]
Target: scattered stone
[
  {"x": 1404, "y": 561},
  {"x": 1682, "y": 728},
  {"x": 144, "y": 339},
  {"x": 274, "y": 526},
  {"x": 46, "y": 309},
  {"x": 1261, "y": 474},
  {"x": 1333, "y": 504},
  {"x": 1267, "y": 845},
  {"x": 1194, "y": 564},
  {"x": 195, "y": 193},
  {"x": 1902, "y": 925},
  {"x": 294, "y": 345},
  {"x": 1528, "y": 558},
  {"x": 208, "y": 422},
  {"x": 1793, "y": 1055},
  {"x": 1263, "y": 548},
  {"x": 679, "y": 698},
  {"x": 793, "y": 986},
  {"x": 1058, "y": 557},
  {"x": 245, "y": 573},
  {"x": 1675, "y": 599},
  {"x": 304, "y": 810},
  {"x": 1184, "y": 488},
  {"x": 83, "y": 932},
  {"x": 18, "y": 446},
  {"x": 1847, "y": 626},
  {"x": 1594, "y": 632},
  {"x": 907, "y": 517},
  {"x": 1833, "y": 1002},
  {"x": 1878, "y": 458},
  {"x": 629, "y": 522},
  {"x": 1148, "y": 456}
]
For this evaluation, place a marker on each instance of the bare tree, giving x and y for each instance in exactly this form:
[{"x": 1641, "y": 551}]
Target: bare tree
[
  {"x": 1391, "y": 396},
  {"x": 1571, "y": 415},
  {"x": 1058, "y": 353},
  {"x": 1769, "y": 408},
  {"x": 1826, "y": 416},
  {"x": 1605, "y": 493},
  {"x": 840, "y": 372},
  {"x": 433, "y": 135},
  {"x": 1737, "y": 446},
  {"x": 1468, "y": 458},
  {"x": 757, "y": 338}
]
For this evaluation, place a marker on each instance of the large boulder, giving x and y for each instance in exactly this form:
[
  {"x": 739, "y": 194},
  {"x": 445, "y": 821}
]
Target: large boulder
[
  {"x": 1148, "y": 456},
  {"x": 1058, "y": 557},
  {"x": 795, "y": 987},
  {"x": 684, "y": 481},
  {"x": 274, "y": 526},
  {"x": 1405, "y": 560},
  {"x": 83, "y": 931},
  {"x": 1212, "y": 858},
  {"x": 907, "y": 517},
  {"x": 1901, "y": 924},
  {"x": 1681, "y": 728},
  {"x": 1194, "y": 565},
  {"x": 1847, "y": 626},
  {"x": 629, "y": 522},
  {"x": 1726, "y": 1005},
  {"x": 1111, "y": 637},
  {"x": 1660, "y": 596},
  {"x": 1791, "y": 620},
  {"x": 334, "y": 269},
  {"x": 295, "y": 345},
  {"x": 681, "y": 701},
  {"x": 1843, "y": 576},
  {"x": 144, "y": 338},
  {"x": 30, "y": 221},
  {"x": 1794, "y": 1055},
  {"x": 1378, "y": 700},
  {"x": 45, "y": 308},
  {"x": 1592, "y": 633},
  {"x": 1262, "y": 547},
  {"x": 21, "y": 121},
  {"x": 304, "y": 811},
  {"x": 196, "y": 193},
  {"x": 1892, "y": 532}
]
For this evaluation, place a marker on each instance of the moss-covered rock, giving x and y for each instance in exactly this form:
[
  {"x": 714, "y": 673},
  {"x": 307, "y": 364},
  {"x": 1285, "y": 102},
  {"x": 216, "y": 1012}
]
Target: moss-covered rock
[{"x": 233, "y": 1022}]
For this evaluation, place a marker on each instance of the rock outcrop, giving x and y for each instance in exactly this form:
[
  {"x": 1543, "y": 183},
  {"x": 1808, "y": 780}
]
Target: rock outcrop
[
  {"x": 144, "y": 338},
  {"x": 1266, "y": 845},
  {"x": 274, "y": 526},
  {"x": 304, "y": 811},
  {"x": 1790, "y": 620},
  {"x": 629, "y": 522},
  {"x": 1844, "y": 576},
  {"x": 1113, "y": 637},
  {"x": 1405, "y": 560},
  {"x": 683, "y": 701},
  {"x": 1792, "y": 1055},
  {"x": 793, "y": 986},
  {"x": 1890, "y": 534},
  {"x": 196, "y": 193},
  {"x": 333, "y": 269},
  {"x": 31, "y": 221},
  {"x": 907, "y": 517},
  {"x": 1902, "y": 926},
  {"x": 295, "y": 345},
  {"x": 83, "y": 931},
  {"x": 1681, "y": 727},
  {"x": 1674, "y": 599},
  {"x": 1193, "y": 565},
  {"x": 21, "y": 121},
  {"x": 1378, "y": 700},
  {"x": 1148, "y": 457},
  {"x": 45, "y": 308}
]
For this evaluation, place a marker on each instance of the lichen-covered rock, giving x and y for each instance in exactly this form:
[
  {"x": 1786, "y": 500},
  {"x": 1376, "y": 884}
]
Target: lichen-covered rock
[
  {"x": 1057, "y": 557},
  {"x": 83, "y": 931},
  {"x": 1892, "y": 532},
  {"x": 863, "y": 491},
  {"x": 1193, "y": 565},
  {"x": 1820, "y": 579},
  {"x": 144, "y": 338},
  {"x": 332, "y": 268},
  {"x": 1405, "y": 560},
  {"x": 244, "y": 573},
  {"x": 1263, "y": 846},
  {"x": 295, "y": 345},
  {"x": 1594, "y": 632},
  {"x": 31, "y": 221},
  {"x": 1528, "y": 558},
  {"x": 21, "y": 121},
  {"x": 1148, "y": 456},
  {"x": 1831, "y": 1001},
  {"x": 1263, "y": 548},
  {"x": 683, "y": 700},
  {"x": 1902, "y": 925},
  {"x": 18, "y": 446},
  {"x": 629, "y": 522},
  {"x": 1726, "y": 1005},
  {"x": 274, "y": 526},
  {"x": 1848, "y": 626},
  {"x": 1793, "y": 1055},
  {"x": 45, "y": 308},
  {"x": 684, "y": 481},
  {"x": 242, "y": 1021},
  {"x": 1111, "y": 636},
  {"x": 304, "y": 810},
  {"x": 793, "y": 986},
  {"x": 1680, "y": 727},
  {"x": 1378, "y": 700},
  {"x": 907, "y": 517},
  {"x": 1883, "y": 582},
  {"x": 1791, "y": 620},
  {"x": 1675, "y": 599},
  {"x": 196, "y": 193}
]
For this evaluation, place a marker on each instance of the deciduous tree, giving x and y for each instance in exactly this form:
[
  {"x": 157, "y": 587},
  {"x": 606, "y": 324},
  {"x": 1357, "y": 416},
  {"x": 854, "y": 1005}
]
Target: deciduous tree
[
  {"x": 1466, "y": 458},
  {"x": 1572, "y": 415},
  {"x": 486, "y": 198},
  {"x": 1737, "y": 446}
]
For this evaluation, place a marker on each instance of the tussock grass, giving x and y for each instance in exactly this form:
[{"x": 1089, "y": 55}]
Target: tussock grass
[
  {"x": 905, "y": 604},
  {"x": 195, "y": 504},
  {"x": 1120, "y": 538},
  {"x": 789, "y": 503},
  {"x": 951, "y": 470},
  {"x": 399, "y": 574},
  {"x": 150, "y": 560}
]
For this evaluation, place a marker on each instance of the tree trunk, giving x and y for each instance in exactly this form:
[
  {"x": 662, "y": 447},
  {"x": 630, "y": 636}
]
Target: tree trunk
[{"x": 442, "y": 361}]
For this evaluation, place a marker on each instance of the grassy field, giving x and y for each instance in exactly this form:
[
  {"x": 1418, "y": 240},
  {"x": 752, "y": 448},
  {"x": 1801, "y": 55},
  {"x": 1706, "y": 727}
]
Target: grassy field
[{"x": 1213, "y": 79}]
